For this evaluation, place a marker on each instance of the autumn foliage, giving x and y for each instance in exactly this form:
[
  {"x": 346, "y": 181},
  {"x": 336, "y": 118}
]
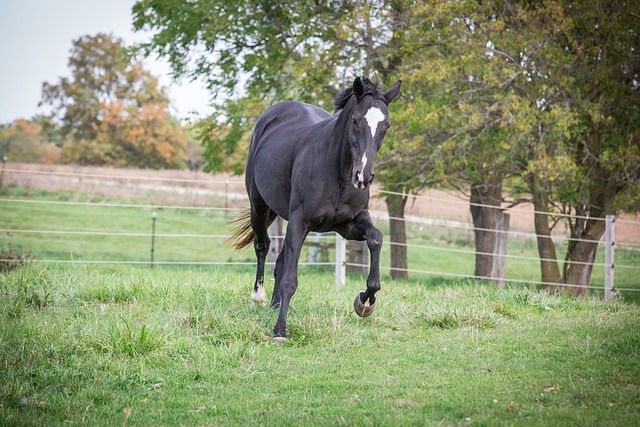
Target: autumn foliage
[
  {"x": 24, "y": 141},
  {"x": 111, "y": 112}
]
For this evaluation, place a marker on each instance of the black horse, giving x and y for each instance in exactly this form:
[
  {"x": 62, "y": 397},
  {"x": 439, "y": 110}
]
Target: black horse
[{"x": 314, "y": 170}]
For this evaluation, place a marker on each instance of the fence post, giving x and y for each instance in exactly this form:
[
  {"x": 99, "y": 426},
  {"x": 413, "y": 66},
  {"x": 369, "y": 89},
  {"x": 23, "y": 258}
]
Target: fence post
[
  {"x": 226, "y": 198},
  {"x": 4, "y": 162},
  {"x": 608, "y": 257},
  {"x": 341, "y": 252},
  {"x": 275, "y": 230},
  {"x": 357, "y": 253},
  {"x": 499, "y": 269},
  {"x": 153, "y": 237}
]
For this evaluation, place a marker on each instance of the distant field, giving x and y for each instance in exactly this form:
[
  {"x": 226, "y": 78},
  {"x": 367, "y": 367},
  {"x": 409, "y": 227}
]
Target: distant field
[
  {"x": 434, "y": 249},
  {"x": 203, "y": 189}
]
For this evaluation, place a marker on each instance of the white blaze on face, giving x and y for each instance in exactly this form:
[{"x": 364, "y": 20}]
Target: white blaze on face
[
  {"x": 360, "y": 173},
  {"x": 374, "y": 116}
]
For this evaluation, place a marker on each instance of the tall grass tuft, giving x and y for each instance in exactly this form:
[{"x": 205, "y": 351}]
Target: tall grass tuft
[
  {"x": 11, "y": 259},
  {"x": 26, "y": 288},
  {"x": 122, "y": 338}
]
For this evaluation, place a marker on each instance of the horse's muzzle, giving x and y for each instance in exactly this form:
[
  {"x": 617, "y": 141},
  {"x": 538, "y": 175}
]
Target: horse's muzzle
[{"x": 360, "y": 182}]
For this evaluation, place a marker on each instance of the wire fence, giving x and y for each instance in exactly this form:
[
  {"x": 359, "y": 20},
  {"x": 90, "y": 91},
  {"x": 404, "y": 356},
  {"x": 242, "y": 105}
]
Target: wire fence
[
  {"x": 75, "y": 230},
  {"x": 97, "y": 233},
  {"x": 240, "y": 182}
]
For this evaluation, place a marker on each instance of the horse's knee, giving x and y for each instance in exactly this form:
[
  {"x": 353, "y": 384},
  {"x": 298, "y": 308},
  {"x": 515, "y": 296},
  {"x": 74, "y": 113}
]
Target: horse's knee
[{"x": 374, "y": 240}]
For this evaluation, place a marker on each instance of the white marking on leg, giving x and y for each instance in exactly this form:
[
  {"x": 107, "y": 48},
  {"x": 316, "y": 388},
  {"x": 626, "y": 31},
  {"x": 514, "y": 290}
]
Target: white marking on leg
[
  {"x": 279, "y": 340},
  {"x": 258, "y": 295},
  {"x": 374, "y": 116}
]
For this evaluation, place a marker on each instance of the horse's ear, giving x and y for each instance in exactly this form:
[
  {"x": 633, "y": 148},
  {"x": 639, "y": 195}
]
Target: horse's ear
[
  {"x": 358, "y": 88},
  {"x": 391, "y": 94}
]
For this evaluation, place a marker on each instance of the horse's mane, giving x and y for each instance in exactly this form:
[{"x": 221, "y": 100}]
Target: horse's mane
[{"x": 370, "y": 88}]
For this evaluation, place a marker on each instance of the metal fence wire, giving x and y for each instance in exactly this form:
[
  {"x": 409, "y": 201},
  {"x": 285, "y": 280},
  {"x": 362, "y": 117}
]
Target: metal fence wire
[{"x": 340, "y": 260}]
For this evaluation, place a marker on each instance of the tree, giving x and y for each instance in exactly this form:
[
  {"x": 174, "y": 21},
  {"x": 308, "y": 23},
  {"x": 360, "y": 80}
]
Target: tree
[
  {"x": 24, "y": 141},
  {"x": 468, "y": 109},
  {"x": 491, "y": 97},
  {"x": 538, "y": 92},
  {"x": 594, "y": 169},
  {"x": 254, "y": 53},
  {"x": 111, "y": 112}
]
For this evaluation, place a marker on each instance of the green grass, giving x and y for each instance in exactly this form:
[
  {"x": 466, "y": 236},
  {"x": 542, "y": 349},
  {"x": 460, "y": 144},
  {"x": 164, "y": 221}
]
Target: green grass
[
  {"x": 135, "y": 346},
  {"x": 85, "y": 344},
  {"x": 106, "y": 219}
]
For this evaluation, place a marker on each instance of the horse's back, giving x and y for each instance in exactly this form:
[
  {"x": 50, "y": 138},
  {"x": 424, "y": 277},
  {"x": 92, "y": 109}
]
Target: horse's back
[{"x": 285, "y": 123}]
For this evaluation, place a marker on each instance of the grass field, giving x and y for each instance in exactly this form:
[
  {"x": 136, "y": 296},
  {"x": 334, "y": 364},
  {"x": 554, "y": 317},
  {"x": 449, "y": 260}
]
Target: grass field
[
  {"x": 84, "y": 344},
  {"x": 131, "y": 346}
]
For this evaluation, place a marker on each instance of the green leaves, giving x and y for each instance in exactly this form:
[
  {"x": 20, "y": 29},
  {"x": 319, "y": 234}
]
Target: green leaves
[{"x": 252, "y": 54}]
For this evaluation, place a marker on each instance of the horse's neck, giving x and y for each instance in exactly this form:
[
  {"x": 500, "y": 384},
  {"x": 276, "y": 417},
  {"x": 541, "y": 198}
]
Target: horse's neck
[{"x": 339, "y": 145}]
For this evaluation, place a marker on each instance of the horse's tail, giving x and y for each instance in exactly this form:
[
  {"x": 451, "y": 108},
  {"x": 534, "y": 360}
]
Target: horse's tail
[{"x": 243, "y": 234}]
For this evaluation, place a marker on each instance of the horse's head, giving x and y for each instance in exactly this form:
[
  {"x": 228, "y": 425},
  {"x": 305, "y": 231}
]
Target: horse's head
[{"x": 367, "y": 121}]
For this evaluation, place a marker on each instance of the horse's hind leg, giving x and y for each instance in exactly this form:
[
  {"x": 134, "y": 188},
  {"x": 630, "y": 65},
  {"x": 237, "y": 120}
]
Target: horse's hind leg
[
  {"x": 260, "y": 221},
  {"x": 276, "y": 297}
]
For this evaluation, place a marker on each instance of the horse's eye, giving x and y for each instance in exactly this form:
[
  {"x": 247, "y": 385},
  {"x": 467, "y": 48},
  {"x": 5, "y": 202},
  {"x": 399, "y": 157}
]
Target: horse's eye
[{"x": 356, "y": 125}]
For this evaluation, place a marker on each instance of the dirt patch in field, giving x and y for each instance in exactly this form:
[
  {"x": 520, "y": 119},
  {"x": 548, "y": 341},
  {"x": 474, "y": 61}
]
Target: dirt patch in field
[{"x": 188, "y": 188}]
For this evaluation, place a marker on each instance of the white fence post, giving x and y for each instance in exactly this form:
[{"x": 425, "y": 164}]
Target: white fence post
[
  {"x": 608, "y": 257},
  {"x": 341, "y": 254},
  {"x": 276, "y": 242},
  {"x": 499, "y": 269}
]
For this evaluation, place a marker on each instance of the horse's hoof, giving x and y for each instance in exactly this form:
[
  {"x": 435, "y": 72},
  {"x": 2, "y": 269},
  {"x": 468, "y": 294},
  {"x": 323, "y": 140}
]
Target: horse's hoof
[
  {"x": 279, "y": 340},
  {"x": 361, "y": 309}
]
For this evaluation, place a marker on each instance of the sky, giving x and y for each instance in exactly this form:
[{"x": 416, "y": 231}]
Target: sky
[{"x": 36, "y": 37}]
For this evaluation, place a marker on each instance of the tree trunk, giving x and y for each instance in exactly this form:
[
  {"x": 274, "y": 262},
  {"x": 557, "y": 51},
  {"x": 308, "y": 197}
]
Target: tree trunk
[
  {"x": 546, "y": 247},
  {"x": 581, "y": 252},
  {"x": 588, "y": 232},
  {"x": 579, "y": 275},
  {"x": 600, "y": 204},
  {"x": 484, "y": 222},
  {"x": 397, "y": 227}
]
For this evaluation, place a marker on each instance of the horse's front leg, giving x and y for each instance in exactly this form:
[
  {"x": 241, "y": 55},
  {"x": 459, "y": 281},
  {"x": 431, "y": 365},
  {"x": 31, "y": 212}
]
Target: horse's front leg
[
  {"x": 296, "y": 233},
  {"x": 363, "y": 229}
]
